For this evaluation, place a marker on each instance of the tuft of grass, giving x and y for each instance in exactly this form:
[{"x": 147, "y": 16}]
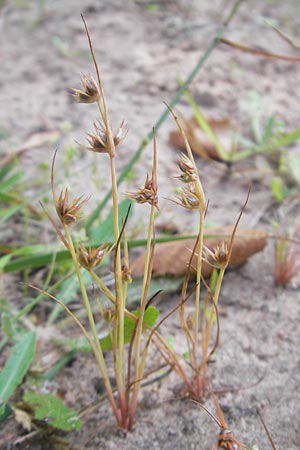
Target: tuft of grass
[
  {"x": 287, "y": 260},
  {"x": 125, "y": 329},
  {"x": 130, "y": 333},
  {"x": 192, "y": 197}
]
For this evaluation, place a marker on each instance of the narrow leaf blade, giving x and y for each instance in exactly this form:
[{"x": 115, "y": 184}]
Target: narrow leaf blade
[{"x": 16, "y": 367}]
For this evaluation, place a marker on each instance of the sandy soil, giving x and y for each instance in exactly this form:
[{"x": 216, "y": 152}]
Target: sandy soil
[{"x": 141, "y": 54}]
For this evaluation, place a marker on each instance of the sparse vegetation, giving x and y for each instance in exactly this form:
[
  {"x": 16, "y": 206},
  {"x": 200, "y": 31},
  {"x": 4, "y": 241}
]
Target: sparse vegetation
[{"x": 85, "y": 285}]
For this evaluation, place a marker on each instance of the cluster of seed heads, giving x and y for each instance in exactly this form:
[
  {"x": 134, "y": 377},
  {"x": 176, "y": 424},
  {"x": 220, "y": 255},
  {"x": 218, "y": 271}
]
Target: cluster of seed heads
[{"x": 189, "y": 196}]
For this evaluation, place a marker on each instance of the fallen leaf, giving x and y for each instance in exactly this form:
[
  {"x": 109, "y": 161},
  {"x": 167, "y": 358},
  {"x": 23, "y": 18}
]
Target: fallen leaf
[
  {"x": 34, "y": 140},
  {"x": 167, "y": 228},
  {"x": 23, "y": 418},
  {"x": 171, "y": 258},
  {"x": 39, "y": 139},
  {"x": 10, "y": 157},
  {"x": 200, "y": 143}
]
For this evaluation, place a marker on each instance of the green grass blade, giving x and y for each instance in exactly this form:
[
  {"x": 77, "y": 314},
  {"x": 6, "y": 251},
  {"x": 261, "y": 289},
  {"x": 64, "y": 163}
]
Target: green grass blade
[
  {"x": 8, "y": 264},
  {"x": 268, "y": 130},
  {"x": 8, "y": 198},
  {"x": 9, "y": 182},
  {"x": 6, "y": 214},
  {"x": 286, "y": 139},
  {"x": 59, "y": 365},
  {"x": 5, "y": 170},
  {"x": 16, "y": 367},
  {"x": 32, "y": 262},
  {"x": 35, "y": 261},
  {"x": 273, "y": 144}
]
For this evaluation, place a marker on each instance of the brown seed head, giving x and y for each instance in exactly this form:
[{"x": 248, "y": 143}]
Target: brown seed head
[
  {"x": 121, "y": 133},
  {"x": 90, "y": 92},
  {"x": 287, "y": 261},
  {"x": 187, "y": 168},
  {"x": 189, "y": 199},
  {"x": 217, "y": 258},
  {"x": 68, "y": 212},
  {"x": 147, "y": 194},
  {"x": 126, "y": 273},
  {"x": 98, "y": 141},
  {"x": 190, "y": 321},
  {"x": 108, "y": 315},
  {"x": 90, "y": 258}
]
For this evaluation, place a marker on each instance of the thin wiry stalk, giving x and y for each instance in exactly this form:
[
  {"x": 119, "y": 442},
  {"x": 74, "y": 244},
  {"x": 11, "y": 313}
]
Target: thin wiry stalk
[
  {"x": 133, "y": 405},
  {"x": 183, "y": 322},
  {"x": 97, "y": 346},
  {"x": 222, "y": 269},
  {"x": 138, "y": 369},
  {"x": 120, "y": 301},
  {"x": 126, "y": 263},
  {"x": 266, "y": 430},
  {"x": 197, "y": 303},
  {"x": 103, "y": 288},
  {"x": 199, "y": 193},
  {"x": 206, "y": 337},
  {"x": 169, "y": 355},
  {"x": 205, "y": 356},
  {"x": 68, "y": 311},
  {"x": 151, "y": 186}
]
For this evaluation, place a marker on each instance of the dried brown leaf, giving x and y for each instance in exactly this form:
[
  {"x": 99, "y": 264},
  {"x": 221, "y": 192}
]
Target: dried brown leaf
[
  {"x": 259, "y": 52},
  {"x": 23, "y": 418},
  {"x": 167, "y": 228},
  {"x": 10, "y": 157},
  {"x": 171, "y": 258},
  {"x": 200, "y": 143},
  {"x": 40, "y": 139}
]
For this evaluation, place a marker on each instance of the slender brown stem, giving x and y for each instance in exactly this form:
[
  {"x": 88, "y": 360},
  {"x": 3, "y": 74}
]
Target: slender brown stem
[
  {"x": 138, "y": 368},
  {"x": 98, "y": 350},
  {"x": 197, "y": 305}
]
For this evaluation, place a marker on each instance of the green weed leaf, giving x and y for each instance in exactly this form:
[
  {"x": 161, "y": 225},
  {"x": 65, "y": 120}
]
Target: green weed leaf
[
  {"x": 81, "y": 344},
  {"x": 268, "y": 131},
  {"x": 278, "y": 189},
  {"x": 289, "y": 167},
  {"x": 7, "y": 325},
  {"x": 50, "y": 408},
  {"x": 150, "y": 316},
  {"x": 16, "y": 367}
]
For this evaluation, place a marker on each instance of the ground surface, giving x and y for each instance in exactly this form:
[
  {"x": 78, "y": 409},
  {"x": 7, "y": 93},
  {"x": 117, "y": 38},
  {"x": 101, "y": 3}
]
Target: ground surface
[{"x": 141, "y": 53}]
